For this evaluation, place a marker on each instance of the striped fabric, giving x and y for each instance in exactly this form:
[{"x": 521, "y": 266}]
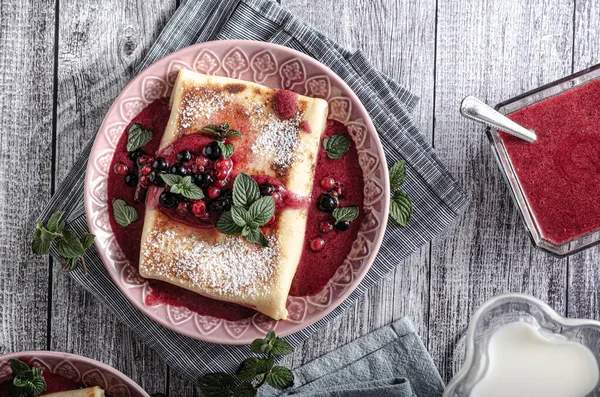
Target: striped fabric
[{"x": 437, "y": 198}]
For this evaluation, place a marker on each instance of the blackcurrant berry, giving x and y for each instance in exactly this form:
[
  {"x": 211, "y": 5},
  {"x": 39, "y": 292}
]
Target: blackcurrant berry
[
  {"x": 178, "y": 169},
  {"x": 212, "y": 151},
  {"x": 168, "y": 199},
  {"x": 327, "y": 202},
  {"x": 131, "y": 180},
  {"x": 266, "y": 189},
  {"x": 342, "y": 225},
  {"x": 160, "y": 164},
  {"x": 184, "y": 156}
]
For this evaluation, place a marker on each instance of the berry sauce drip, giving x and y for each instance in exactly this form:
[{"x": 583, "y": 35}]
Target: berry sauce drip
[
  {"x": 54, "y": 382},
  {"x": 195, "y": 155}
]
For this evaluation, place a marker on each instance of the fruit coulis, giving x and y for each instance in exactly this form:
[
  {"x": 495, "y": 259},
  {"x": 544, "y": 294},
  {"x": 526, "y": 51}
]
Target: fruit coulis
[
  {"x": 560, "y": 172},
  {"x": 55, "y": 383},
  {"x": 316, "y": 267}
]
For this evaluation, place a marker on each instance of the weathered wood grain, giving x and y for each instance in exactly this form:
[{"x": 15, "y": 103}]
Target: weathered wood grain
[
  {"x": 99, "y": 42},
  {"x": 584, "y": 273},
  {"x": 494, "y": 50},
  {"x": 26, "y": 86}
]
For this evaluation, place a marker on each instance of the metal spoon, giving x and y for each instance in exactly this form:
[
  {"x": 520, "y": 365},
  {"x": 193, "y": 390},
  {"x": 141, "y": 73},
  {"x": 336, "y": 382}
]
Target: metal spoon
[{"x": 474, "y": 109}]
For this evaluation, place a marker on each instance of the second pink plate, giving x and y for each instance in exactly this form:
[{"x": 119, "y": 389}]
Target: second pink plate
[{"x": 274, "y": 66}]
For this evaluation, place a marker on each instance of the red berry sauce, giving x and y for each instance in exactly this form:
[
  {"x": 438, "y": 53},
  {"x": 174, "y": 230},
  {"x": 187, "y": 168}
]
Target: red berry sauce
[
  {"x": 315, "y": 268},
  {"x": 560, "y": 172}
]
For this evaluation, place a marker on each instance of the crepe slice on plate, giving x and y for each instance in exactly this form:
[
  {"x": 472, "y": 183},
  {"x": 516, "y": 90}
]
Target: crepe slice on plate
[
  {"x": 89, "y": 392},
  {"x": 280, "y": 139}
]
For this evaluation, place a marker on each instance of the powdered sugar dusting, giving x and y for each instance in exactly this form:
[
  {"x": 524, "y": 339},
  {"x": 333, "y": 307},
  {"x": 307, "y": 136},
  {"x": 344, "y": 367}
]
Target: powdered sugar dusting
[
  {"x": 232, "y": 267},
  {"x": 277, "y": 138},
  {"x": 200, "y": 103}
]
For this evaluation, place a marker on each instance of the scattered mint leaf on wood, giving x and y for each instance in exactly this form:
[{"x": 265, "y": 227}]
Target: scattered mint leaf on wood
[
  {"x": 401, "y": 207},
  {"x": 336, "y": 146},
  {"x": 226, "y": 149},
  {"x": 253, "y": 372},
  {"x": 280, "y": 378},
  {"x": 70, "y": 247},
  {"x": 137, "y": 137},
  {"x": 124, "y": 214},
  {"x": 26, "y": 381},
  {"x": 217, "y": 385},
  {"x": 183, "y": 185},
  {"x": 342, "y": 214},
  {"x": 397, "y": 175},
  {"x": 222, "y": 131},
  {"x": 246, "y": 389}
]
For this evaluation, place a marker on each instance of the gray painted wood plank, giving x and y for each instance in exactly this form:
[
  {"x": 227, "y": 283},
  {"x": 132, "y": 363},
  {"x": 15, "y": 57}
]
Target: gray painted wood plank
[
  {"x": 584, "y": 275},
  {"x": 26, "y": 83},
  {"x": 99, "y": 42},
  {"x": 494, "y": 50}
]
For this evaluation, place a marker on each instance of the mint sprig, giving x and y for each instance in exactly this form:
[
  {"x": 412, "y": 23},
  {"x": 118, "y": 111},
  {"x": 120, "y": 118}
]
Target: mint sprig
[
  {"x": 124, "y": 214},
  {"x": 401, "y": 207},
  {"x": 345, "y": 214},
  {"x": 226, "y": 149},
  {"x": 69, "y": 246},
  {"x": 248, "y": 213},
  {"x": 253, "y": 372},
  {"x": 183, "y": 185},
  {"x": 222, "y": 131},
  {"x": 27, "y": 381},
  {"x": 336, "y": 146},
  {"x": 137, "y": 137}
]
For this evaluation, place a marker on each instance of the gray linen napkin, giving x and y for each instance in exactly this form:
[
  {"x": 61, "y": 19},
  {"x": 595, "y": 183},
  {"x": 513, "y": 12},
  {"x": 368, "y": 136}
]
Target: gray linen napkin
[
  {"x": 437, "y": 198},
  {"x": 389, "y": 362}
]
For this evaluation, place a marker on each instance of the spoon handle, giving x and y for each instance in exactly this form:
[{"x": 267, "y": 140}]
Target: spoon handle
[{"x": 474, "y": 109}]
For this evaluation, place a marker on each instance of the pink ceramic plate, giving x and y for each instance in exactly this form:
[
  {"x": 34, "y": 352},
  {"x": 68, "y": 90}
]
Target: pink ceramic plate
[
  {"x": 274, "y": 66},
  {"x": 78, "y": 369}
]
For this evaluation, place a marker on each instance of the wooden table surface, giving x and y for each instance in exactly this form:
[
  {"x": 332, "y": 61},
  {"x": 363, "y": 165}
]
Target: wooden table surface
[{"x": 53, "y": 51}]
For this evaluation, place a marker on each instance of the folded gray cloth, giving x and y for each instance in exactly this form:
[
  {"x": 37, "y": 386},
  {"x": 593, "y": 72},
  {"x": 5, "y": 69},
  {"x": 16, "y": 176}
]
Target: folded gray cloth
[
  {"x": 437, "y": 198},
  {"x": 389, "y": 362}
]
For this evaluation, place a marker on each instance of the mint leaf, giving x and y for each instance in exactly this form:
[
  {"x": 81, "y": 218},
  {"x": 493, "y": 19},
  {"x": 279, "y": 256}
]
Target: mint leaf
[
  {"x": 342, "y": 214},
  {"x": 397, "y": 175},
  {"x": 246, "y": 389},
  {"x": 137, "y": 137},
  {"x": 245, "y": 190},
  {"x": 42, "y": 239},
  {"x": 248, "y": 369},
  {"x": 256, "y": 236},
  {"x": 69, "y": 246},
  {"x": 18, "y": 366},
  {"x": 234, "y": 133},
  {"x": 281, "y": 348},
  {"x": 54, "y": 221},
  {"x": 171, "y": 179},
  {"x": 21, "y": 380},
  {"x": 226, "y": 149},
  {"x": 124, "y": 214},
  {"x": 257, "y": 346},
  {"x": 262, "y": 210},
  {"x": 240, "y": 215},
  {"x": 226, "y": 224},
  {"x": 183, "y": 185},
  {"x": 38, "y": 385},
  {"x": 280, "y": 378},
  {"x": 336, "y": 146},
  {"x": 217, "y": 385},
  {"x": 87, "y": 239},
  {"x": 264, "y": 365},
  {"x": 401, "y": 208}
]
